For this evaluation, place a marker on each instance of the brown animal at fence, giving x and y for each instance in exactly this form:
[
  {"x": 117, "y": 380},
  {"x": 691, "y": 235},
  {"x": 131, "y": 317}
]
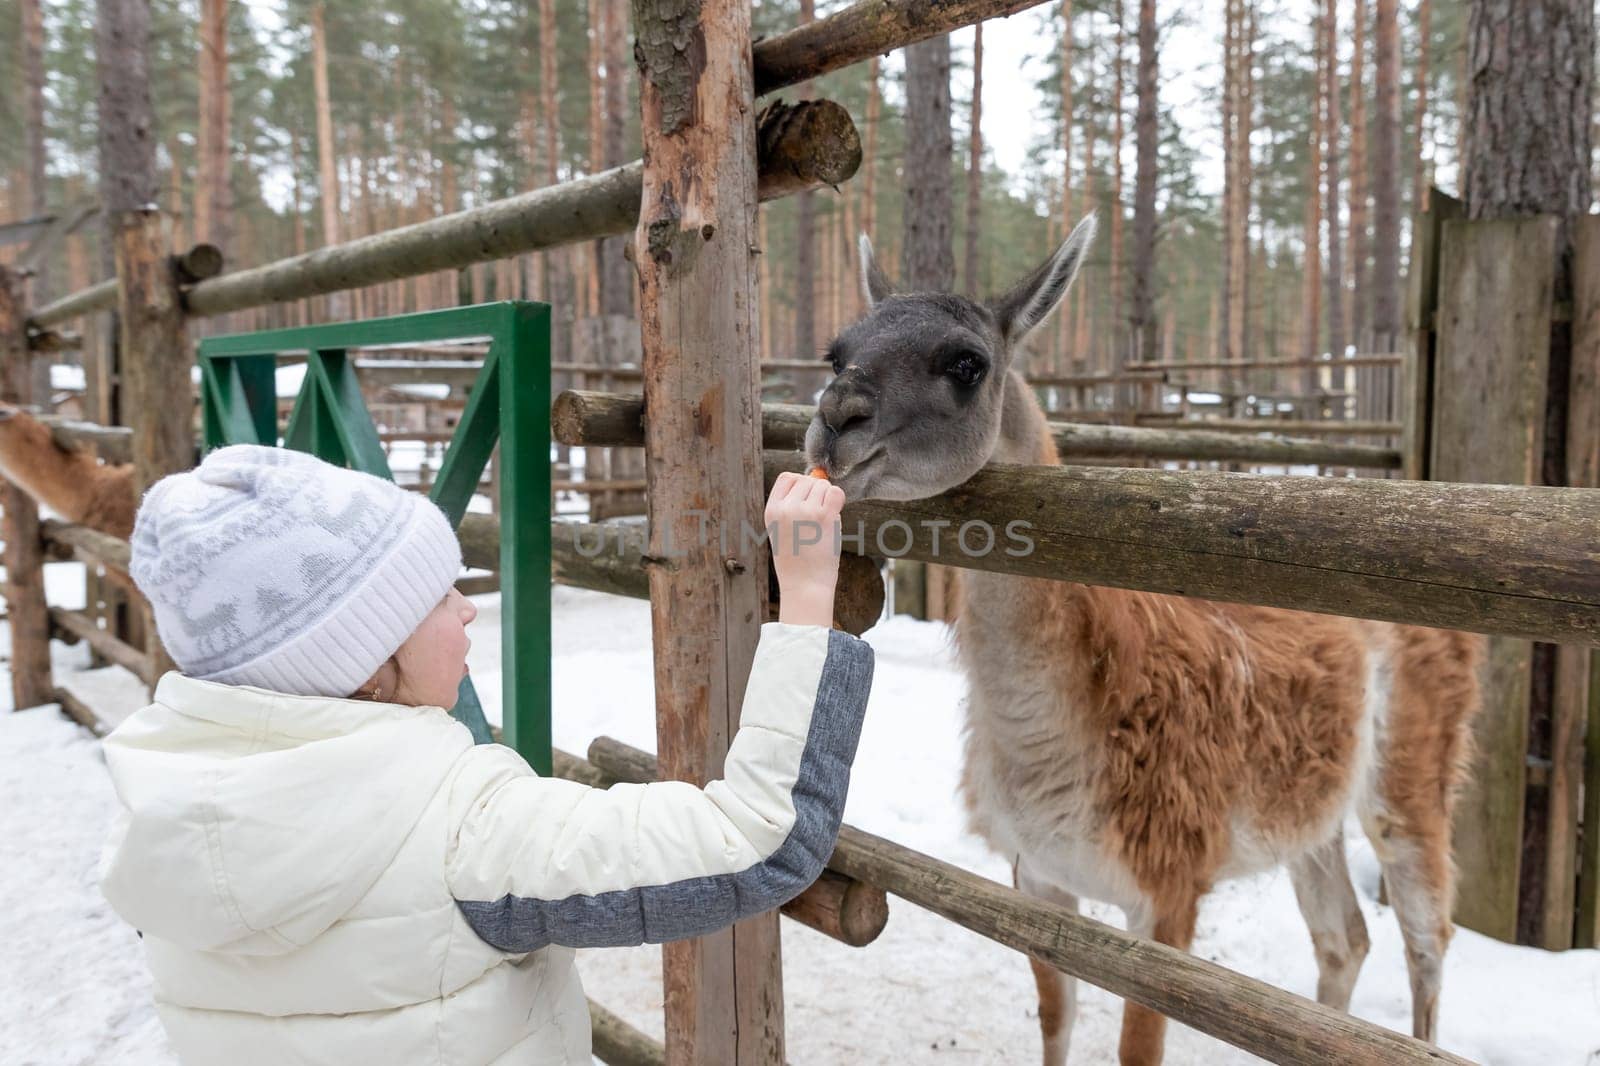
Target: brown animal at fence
[
  {"x": 1137, "y": 748},
  {"x": 70, "y": 482}
]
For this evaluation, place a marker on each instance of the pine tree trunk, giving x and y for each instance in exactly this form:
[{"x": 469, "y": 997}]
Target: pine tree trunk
[
  {"x": 1244, "y": 125},
  {"x": 869, "y": 162},
  {"x": 127, "y": 123},
  {"x": 213, "y": 196},
  {"x": 805, "y": 251},
  {"x": 1142, "y": 317},
  {"x": 444, "y": 138},
  {"x": 1063, "y": 318},
  {"x": 1421, "y": 172},
  {"x": 617, "y": 280},
  {"x": 974, "y": 164},
  {"x": 1359, "y": 288},
  {"x": 558, "y": 263},
  {"x": 597, "y": 133},
  {"x": 1230, "y": 173},
  {"x": 1333, "y": 123},
  {"x": 1080, "y": 329},
  {"x": 1310, "y": 314},
  {"x": 1386, "y": 179},
  {"x": 327, "y": 161},
  {"x": 1118, "y": 310},
  {"x": 38, "y": 201},
  {"x": 929, "y": 254},
  {"x": 850, "y": 306}
]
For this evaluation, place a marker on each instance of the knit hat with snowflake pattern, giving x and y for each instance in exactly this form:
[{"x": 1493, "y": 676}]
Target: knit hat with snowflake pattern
[{"x": 271, "y": 568}]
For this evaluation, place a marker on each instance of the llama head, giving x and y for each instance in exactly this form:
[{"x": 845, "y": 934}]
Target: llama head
[{"x": 915, "y": 406}]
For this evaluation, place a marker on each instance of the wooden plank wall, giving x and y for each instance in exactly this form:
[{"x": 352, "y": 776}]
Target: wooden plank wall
[
  {"x": 1422, "y": 301},
  {"x": 1488, "y": 418},
  {"x": 1575, "y": 757}
]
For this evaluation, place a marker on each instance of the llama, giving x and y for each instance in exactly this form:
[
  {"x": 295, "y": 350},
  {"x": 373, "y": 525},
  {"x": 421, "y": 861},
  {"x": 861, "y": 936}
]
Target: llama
[
  {"x": 1136, "y": 748},
  {"x": 72, "y": 483}
]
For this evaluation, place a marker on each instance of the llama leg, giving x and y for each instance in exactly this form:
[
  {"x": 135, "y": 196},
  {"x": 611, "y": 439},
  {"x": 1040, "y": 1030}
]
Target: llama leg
[
  {"x": 1417, "y": 870},
  {"x": 1338, "y": 931},
  {"x": 1058, "y": 993},
  {"x": 1144, "y": 1031}
]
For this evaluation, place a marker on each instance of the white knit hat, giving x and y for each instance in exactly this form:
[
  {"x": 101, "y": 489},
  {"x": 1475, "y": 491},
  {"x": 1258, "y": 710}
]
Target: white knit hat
[{"x": 271, "y": 568}]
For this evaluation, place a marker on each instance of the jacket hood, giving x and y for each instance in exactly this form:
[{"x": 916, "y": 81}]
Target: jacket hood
[{"x": 252, "y": 820}]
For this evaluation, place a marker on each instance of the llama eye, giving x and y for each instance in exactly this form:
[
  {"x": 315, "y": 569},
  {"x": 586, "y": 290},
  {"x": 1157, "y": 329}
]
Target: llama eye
[{"x": 966, "y": 370}]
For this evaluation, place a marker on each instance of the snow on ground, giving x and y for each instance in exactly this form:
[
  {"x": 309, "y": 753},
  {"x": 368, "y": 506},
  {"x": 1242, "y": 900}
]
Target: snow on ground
[{"x": 73, "y": 990}]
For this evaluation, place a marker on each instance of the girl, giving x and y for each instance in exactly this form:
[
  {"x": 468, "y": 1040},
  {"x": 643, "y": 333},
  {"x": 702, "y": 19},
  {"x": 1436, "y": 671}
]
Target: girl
[{"x": 324, "y": 868}]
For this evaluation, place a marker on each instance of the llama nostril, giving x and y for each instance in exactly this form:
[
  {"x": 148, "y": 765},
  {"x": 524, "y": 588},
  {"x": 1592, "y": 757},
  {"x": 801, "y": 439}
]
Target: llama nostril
[{"x": 840, "y": 410}]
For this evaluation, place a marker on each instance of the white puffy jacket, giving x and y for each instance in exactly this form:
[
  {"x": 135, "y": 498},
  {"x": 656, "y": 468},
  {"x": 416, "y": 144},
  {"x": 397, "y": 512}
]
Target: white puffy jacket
[{"x": 337, "y": 881}]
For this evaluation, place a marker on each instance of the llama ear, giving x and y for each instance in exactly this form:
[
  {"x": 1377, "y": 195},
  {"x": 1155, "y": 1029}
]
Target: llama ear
[
  {"x": 874, "y": 286},
  {"x": 1032, "y": 299}
]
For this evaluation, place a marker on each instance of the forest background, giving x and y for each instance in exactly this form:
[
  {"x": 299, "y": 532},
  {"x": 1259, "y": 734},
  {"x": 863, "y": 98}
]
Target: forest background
[{"x": 1292, "y": 140}]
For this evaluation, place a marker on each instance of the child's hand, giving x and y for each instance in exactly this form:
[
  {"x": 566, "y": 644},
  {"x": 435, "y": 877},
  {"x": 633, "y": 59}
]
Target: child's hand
[{"x": 803, "y": 524}]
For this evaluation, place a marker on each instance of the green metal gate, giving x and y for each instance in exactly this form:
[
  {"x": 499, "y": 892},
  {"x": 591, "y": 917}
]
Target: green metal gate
[{"x": 509, "y": 403}]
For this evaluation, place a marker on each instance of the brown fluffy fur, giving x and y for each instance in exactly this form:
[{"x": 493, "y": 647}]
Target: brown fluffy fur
[
  {"x": 1189, "y": 722},
  {"x": 74, "y": 484}
]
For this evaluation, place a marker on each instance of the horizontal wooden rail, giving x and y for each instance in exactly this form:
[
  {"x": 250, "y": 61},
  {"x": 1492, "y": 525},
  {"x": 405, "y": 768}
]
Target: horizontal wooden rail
[
  {"x": 101, "y": 297},
  {"x": 1084, "y": 381},
  {"x": 82, "y": 713},
  {"x": 49, "y": 341},
  {"x": 1302, "y": 427},
  {"x": 835, "y": 905},
  {"x": 600, "y": 205},
  {"x": 823, "y": 150},
  {"x": 1247, "y": 1013},
  {"x": 457, "y": 374},
  {"x": 857, "y": 33},
  {"x": 1517, "y": 561},
  {"x": 590, "y": 486},
  {"x": 114, "y": 444},
  {"x": 599, "y": 419},
  {"x": 1380, "y": 359},
  {"x": 102, "y": 548},
  {"x": 617, "y": 1043},
  {"x": 82, "y": 627}
]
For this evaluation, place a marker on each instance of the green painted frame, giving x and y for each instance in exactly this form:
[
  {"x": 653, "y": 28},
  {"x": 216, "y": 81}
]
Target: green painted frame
[{"x": 509, "y": 403}]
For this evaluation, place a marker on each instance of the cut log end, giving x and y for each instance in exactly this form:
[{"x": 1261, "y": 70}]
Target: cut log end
[
  {"x": 199, "y": 263},
  {"x": 843, "y": 908}
]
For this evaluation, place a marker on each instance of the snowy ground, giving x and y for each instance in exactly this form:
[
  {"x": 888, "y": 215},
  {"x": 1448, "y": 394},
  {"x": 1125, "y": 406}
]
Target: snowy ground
[{"x": 73, "y": 990}]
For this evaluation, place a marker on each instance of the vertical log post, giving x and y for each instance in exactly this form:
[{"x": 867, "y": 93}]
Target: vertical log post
[
  {"x": 24, "y": 552},
  {"x": 157, "y": 394},
  {"x": 695, "y": 253}
]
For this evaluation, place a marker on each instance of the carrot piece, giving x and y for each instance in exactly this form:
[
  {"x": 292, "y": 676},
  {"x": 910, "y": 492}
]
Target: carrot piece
[{"x": 819, "y": 472}]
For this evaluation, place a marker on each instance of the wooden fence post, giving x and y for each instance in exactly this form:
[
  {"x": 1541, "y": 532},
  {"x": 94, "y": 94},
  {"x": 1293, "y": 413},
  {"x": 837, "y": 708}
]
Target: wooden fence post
[
  {"x": 695, "y": 251},
  {"x": 1495, "y": 302},
  {"x": 1575, "y": 745},
  {"x": 157, "y": 391},
  {"x": 29, "y": 617}
]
